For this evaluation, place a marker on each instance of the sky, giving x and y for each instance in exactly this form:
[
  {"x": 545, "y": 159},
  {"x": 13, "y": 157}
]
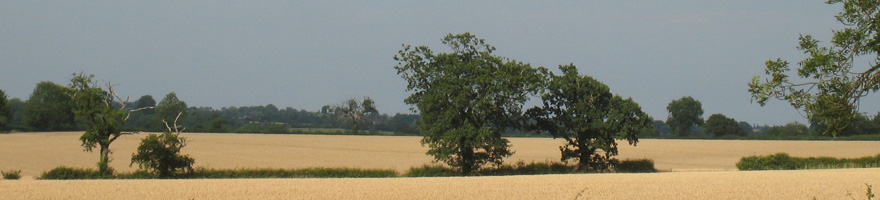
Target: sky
[{"x": 306, "y": 54}]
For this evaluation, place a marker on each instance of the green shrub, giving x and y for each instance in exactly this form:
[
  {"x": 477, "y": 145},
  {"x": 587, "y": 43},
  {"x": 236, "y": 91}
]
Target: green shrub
[
  {"x": 521, "y": 168},
  {"x": 292, "y": 173},
  {"x": 11, "y": 174},
  {"x": 64, "y": 173},
  {"x": 636, "y": 166},
  {"x": 782, "y": 161},
  {"x": 160, "y": 154},
  {"x": 430, "y": 171}
]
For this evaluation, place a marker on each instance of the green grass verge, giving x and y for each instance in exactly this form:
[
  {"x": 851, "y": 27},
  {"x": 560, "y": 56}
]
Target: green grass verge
[{"x": 783, "y": 161}]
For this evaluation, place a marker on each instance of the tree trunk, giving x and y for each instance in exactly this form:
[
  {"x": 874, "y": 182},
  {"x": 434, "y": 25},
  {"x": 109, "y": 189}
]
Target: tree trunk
[{"x": 105, "y": 159}]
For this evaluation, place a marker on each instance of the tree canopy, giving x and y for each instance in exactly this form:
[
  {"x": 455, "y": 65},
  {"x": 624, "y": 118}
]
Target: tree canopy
[
  {"x": 5, "y": 112},
  {"x": 466, "y": 98},
  {"x": 830, "y": 81}
]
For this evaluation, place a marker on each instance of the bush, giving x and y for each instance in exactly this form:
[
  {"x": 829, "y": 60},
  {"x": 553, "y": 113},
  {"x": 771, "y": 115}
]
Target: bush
[
  {"x": 782, "y": 161},
  {"x": 430, "y": 171},
  {"x": 636, "y": 166},
  {"x": 11, "y": 174},
  {"x": 160, "y": 154},
  {"x": 521, "y": 168},
  {"x": 65, "y": 173},
  {"x": 292, "y": 173}
]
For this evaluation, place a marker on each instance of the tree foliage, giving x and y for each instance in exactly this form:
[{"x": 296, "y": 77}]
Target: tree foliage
[
  {"x": 49, "y": 108},
  {"x": 583, "y": 111},
  {"x": 721, "y": 125},
  {"x": 466, "y": 98},
  {"x": 830, "y": 84},
  {"x": 684, "y": 114},
  {"x": 170, "y": 107},
  {"x": 94, "y": 108},
  {"x": 5, "y": 113},
  {"x": 357, "y": 113}
]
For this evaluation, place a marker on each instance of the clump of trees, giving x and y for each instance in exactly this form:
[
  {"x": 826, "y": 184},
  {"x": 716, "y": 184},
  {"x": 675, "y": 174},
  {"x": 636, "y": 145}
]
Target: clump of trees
[
  {"x": 356, "y": 113},
  {"x": 468, "y": 97}
]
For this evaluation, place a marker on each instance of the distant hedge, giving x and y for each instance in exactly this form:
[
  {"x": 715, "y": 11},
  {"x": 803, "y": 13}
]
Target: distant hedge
[{"x": 783, "y": 161}]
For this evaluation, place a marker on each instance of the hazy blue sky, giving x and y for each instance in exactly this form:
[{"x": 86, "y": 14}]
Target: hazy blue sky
[{"x": 308, "y": 54}]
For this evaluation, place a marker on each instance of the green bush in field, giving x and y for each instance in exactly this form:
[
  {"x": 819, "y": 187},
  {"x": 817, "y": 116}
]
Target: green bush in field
[
  {"x": 292, "y": 173},
  {"x": 11, "y": 174},
  {"x": 66, "y": 173},
  {"x": 635, "y": 166},
  {"x": 160, "y": 154},
  {"x": 782, "y": 161}
]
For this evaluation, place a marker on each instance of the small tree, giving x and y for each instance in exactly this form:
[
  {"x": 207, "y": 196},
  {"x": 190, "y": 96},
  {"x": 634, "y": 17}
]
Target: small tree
[
  {"x": 357, "y": 113},
  {"x": 684, "y": 114},
  {"x": 94, "y": 107},
  {"x": 583, "y": 111},
  {"x": 160, "y": 154}
]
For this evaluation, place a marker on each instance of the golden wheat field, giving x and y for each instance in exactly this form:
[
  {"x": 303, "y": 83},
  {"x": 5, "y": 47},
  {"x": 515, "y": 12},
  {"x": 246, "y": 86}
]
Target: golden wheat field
[{"x": 695, "y": 169}]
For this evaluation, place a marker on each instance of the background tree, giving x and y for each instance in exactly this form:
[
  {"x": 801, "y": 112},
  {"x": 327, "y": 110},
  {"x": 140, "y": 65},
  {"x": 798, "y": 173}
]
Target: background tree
[
  {"x": 355, "y": 112},
  {"x": 17, "y": 106},
  {"x": 583, "y": 111},
  {"x": 160, "y": 153},
  {"x": 170, "y": 107},
  {"x": 5, "y": 113},
  {"x": 720, "y": 125},
  {"x": 792, "y": 129},
  {"x": 94, "y": 107},
  {"x": 684, "y": 114},
  {"x": 145, "y": 119},
  {"x": 49, "y": 108},
  {"x": 466, "y": 98},
  {"x": 831, "y": 87}
]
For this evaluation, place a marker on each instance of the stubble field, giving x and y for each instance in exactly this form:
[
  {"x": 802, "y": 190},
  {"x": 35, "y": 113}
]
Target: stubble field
[{"x": 696, "y": 169}]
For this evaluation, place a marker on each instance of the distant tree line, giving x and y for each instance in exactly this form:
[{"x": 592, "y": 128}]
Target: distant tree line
[
  {"x": 685, "y": 120},
  {"x": 51, "y": 108}
]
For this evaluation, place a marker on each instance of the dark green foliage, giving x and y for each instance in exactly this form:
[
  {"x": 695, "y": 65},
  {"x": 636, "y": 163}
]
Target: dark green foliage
[
  {"x": 160, "y": 154},
  {"x": 67, "y": 173},
  {"x": 170, "y": 107},
  {"x": 431, "y": 171},
  {"x": 49, "y": 108},
  {"x": 11, "y": 174},
  {"x": 635, "y": 166},
  {"x": 831, "y": 87},
  {"x": 318, "y": 172},
  {"x": 721, "y": 126},
  {"x": 466, "y": 99},
  {"x": 5, "y": 113},
  {"x": 585, "y": 113},
  {"x": 684, "y": 114},
  {"x": 793, "y": 129},
  {"x": 521, "y": 168},
  {"x": 782, "y": 161}
]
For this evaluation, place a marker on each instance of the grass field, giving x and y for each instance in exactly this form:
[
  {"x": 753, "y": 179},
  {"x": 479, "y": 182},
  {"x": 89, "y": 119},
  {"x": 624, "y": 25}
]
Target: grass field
[{"x": 699, "y": 169}]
